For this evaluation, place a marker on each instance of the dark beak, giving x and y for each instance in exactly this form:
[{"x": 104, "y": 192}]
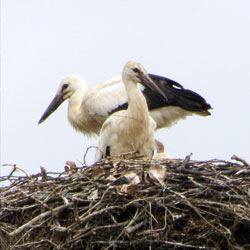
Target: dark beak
[
  {"x": 56, "y": 102},
  {"x": 148, "y": 82}
]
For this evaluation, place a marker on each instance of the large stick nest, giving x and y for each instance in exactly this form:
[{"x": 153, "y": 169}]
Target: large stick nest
[{"x": 129, "y": 204}]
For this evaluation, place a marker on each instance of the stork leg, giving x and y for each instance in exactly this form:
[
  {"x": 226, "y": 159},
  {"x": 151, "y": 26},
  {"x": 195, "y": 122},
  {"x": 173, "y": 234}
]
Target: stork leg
[
  {"x": 159, "y": 146},
  {"x": 160, "y": 151}
]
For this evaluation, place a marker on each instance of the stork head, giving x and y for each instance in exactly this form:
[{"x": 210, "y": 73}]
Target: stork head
[
  {"x": 68, "y": 87},
  {"x": 136, "y": 73}
]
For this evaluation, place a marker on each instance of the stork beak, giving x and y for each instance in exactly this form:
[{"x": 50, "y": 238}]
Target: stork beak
[
  {"x": 55, "y": 103},
  {"x": 148, "y": 82}
]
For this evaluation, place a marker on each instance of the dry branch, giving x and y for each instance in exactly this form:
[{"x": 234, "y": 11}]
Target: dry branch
[{"x": 129, "y": 204}]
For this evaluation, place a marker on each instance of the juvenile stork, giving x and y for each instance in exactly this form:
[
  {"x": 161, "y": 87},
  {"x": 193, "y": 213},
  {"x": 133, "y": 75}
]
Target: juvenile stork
[
  {"x": 89, "y": 108},
  {"x": 132, "y": 129}
]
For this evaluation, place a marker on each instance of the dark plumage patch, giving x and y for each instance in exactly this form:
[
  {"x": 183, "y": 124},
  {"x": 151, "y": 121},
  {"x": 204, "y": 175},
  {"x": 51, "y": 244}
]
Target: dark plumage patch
[
  {"x": 107, "y": 153},
  {"x": 176, "y": 94},
  {"x": 120, "y": 107}
]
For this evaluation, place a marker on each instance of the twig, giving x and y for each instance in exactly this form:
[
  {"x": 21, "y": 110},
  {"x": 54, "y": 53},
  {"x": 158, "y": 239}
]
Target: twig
[
  {"x": 236, "y": 158},
  {"x": 37, "y": 218}
]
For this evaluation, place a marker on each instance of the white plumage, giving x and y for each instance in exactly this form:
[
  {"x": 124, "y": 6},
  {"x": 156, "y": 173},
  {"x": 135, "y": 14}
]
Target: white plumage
[{"x": 132, "y": 129}]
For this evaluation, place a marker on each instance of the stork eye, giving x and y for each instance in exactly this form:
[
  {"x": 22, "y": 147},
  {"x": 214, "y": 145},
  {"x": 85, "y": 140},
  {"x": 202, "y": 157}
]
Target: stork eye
[
  {"x": 65, "y": 85},
  {"x": 136, "y": 70}
]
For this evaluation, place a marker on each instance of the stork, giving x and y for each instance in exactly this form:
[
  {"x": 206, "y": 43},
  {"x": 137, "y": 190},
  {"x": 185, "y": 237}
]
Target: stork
[
  {"x": 132, "y": 129},
  {"x": 89, "y": 108}
]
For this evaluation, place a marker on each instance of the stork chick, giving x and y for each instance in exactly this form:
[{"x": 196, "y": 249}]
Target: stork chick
[{"x": 132, "y": 129}]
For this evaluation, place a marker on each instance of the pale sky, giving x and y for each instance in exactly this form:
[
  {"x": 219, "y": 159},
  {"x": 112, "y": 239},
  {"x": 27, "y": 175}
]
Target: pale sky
[{"x": 203, "y": 45}]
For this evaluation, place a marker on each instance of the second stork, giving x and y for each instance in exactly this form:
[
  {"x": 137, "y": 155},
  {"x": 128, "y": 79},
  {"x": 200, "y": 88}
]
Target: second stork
[{"x": 131, "y": 129}]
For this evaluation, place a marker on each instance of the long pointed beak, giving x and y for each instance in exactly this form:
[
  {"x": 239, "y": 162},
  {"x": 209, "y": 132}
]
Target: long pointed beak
[
  {"x": 55, "y": 103},
  {"x": 148, "y": 82}
]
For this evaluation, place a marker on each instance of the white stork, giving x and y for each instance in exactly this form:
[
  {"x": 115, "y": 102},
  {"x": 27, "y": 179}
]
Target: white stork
[
  {"x": 132, "y": 129},
  {"x": 89, "y": 108}
]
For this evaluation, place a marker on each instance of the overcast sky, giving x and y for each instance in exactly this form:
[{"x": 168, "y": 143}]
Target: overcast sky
[{"x": 204, "y": 45}]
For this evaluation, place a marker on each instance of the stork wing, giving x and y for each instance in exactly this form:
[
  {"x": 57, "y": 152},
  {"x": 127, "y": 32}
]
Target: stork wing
[
  {"x": 110, "y": 96},
  {"x": 106, "y": 98},
  {"x": 177, "y": 96}
]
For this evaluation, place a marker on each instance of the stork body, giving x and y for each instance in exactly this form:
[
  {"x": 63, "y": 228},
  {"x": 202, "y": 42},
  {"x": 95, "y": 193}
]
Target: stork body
[
  {"x": 132, "y": 129},
  {"x": 89, "y": 108}
]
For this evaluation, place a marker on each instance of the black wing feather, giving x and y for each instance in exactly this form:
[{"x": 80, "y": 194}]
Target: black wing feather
[{"x": 176, "y": 94}]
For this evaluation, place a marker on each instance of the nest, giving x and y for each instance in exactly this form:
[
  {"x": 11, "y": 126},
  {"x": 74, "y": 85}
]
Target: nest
[{"x": 129, "y": 204}]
